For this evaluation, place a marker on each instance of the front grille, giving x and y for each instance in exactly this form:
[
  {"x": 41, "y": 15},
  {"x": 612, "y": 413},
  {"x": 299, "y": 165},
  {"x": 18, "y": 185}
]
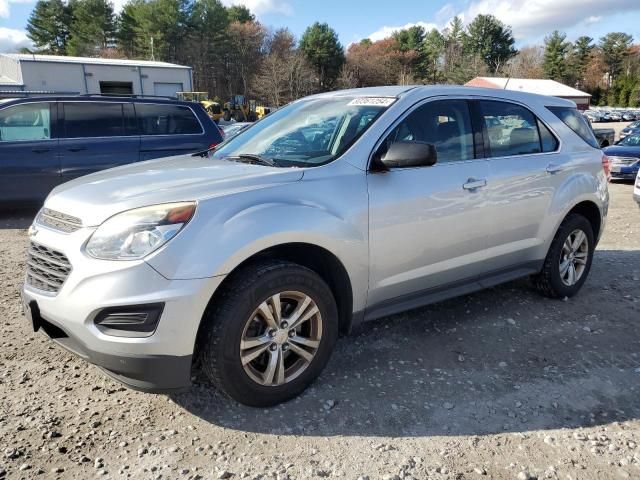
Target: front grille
[
  {"x": 59, "y": 221},
  {"x": 46, "y": 269}
]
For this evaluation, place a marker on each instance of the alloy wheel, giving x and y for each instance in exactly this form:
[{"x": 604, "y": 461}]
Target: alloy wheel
[
  {"x": 281, "y": 338},
  {"x": 573, "y": 258}
]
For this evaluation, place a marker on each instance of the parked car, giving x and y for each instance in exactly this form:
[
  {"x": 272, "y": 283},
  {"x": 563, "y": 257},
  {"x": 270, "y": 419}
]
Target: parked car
[
  {"x": 47, "y": 141},
  {"x": 636, "y": 189},
  {"x": 336, "y": 209},
  {"x": 605, "y": 136},
  {"x": 633, "y": 127},
  {"x": 231, "y": 129},
  {"x": 614, "y": 117},
  {"x": 624, "y": 158},
  {"x": 628, "y": 116}
]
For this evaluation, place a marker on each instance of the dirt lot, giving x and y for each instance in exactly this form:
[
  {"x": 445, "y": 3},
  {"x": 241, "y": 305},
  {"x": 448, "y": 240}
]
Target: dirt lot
[{"x": 499, "y": 384}]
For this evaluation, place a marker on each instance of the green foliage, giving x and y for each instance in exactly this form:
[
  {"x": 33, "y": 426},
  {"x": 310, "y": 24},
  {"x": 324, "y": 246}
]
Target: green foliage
[
  {"x": 324, "y": 51},
  {"x": 615, "y": 47},
  {"x": 48, "y": 27},
  {"x": 240, "y": 13},
  {"x": 92, "y": 29},
  {"x": 555, "y": 56},
  {"x": 491, "y": 40},
  {"x": 433, "y": 49}
]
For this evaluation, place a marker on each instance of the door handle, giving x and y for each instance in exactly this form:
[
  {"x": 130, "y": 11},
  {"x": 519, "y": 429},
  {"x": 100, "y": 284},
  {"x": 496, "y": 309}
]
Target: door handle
[
  {"x": 76, "y": 149},
  {"x": 41, "y": 150},
  {"x": 472, "y": 184},
  {"x": 554, "y": 168}
]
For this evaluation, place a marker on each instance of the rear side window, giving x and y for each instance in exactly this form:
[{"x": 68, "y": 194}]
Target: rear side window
[
  {"x": 576, "y": 122},
  {"x": 514, "y": 130},
  {"x": 93, "y": 119},
  {"x": 26, "y": 122},
  {"x": 166, "y": 120}
]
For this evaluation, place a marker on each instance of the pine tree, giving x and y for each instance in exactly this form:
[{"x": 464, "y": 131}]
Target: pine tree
[
  {"x": 491, "y": 40},
  {"x": 48, "y": 27},
  {"x": 93, "y": 27},
  {"x": 555, "y": 56},
  {"x": 322, "y": 48}
]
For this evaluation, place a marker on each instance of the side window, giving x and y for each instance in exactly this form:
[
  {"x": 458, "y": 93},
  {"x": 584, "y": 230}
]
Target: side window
[
  {"x": 93, "y": 119},
  {"x": 549, "y": 141},
  {"x": 512, "y": 129},
  {"x": 155, "y": 119},
  {"x": 576, "y": 122},
  {"x": 29, "y": 121},
  {"x": 446, "y": 124}
]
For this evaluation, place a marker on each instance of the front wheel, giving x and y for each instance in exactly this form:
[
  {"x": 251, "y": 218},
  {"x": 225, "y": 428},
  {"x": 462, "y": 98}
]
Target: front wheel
[
  {"x": 569, "y": 259},
  {"x": 270, "y": 333}
]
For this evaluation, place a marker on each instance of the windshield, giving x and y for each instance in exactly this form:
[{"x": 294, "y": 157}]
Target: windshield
[
  {"x": 631, "y": 141},
  {"x": 307, "y": 133}
]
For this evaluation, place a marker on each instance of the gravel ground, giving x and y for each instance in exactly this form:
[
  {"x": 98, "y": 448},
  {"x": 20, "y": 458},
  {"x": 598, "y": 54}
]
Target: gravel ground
[{"x": 498, "y": 384}]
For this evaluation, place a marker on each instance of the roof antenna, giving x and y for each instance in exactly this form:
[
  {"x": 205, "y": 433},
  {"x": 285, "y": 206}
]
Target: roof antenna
[{"x": 506, "y": 83}]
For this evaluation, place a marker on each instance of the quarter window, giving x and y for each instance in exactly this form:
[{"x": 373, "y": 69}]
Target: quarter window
[
  {"x": 576, "y": 122},
  {"x": 444, "y": 124},
  {"x": 93, "y": 119},
  {"x": 514, "y": 130},
  {"x": 26, "y": 122},
  {"x": 156, "y": 119}
]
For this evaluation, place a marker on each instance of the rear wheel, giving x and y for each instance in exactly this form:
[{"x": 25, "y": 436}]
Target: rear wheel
[
  {"x": 569, "y": 259},
  {"x": 270, "y": 333}
]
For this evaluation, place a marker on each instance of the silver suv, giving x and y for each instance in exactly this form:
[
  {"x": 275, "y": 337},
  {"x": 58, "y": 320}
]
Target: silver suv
[{"x": 247, "y": 262}]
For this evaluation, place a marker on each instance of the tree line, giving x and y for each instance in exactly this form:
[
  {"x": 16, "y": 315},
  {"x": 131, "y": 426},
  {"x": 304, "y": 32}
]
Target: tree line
[{"x": 233, "y": 53}]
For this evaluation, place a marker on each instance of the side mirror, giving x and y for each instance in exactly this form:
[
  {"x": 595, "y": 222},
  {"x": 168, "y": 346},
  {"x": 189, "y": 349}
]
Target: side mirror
[{"x": 407, "y": 154}]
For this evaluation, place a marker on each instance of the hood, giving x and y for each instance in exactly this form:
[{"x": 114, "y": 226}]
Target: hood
[
  {"x": 96, "y": 197},
  {"x": 622, "y": 151}
]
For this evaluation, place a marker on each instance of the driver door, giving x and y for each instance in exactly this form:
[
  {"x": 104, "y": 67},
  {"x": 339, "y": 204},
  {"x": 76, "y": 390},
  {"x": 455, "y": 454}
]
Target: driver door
[{"x": 427, "y": 225}]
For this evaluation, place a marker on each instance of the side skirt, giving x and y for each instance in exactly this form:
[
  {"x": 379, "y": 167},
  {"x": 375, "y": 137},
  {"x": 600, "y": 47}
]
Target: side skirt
[{"x": 451, "y": 290}]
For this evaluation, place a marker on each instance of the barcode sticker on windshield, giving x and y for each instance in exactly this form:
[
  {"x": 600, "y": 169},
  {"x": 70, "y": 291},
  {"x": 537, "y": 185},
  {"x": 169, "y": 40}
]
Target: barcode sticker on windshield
[{"x": 372, "y": 101}]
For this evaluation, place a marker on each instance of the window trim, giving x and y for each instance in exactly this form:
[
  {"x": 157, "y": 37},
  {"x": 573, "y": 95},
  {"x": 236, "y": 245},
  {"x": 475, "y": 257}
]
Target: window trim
[
  {"x": 485, "y": 134},
  {"x": 137, "y": 135},
  {"x": 53, "y": 121},
  {"x": 371, "y": 166}
]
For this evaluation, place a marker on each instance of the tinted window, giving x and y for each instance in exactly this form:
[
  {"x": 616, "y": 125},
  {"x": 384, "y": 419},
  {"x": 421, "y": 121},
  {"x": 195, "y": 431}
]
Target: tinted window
[
  {"x": 576, "y": 122},
  {"x": 88, "y": 119},
  {"x": 29, "y": 121},
  {"x": 512, "y": 129},
  {"x": 166, "y": 120},
  {"x": 445, "y": 124},
  {"x": 549, "y": 141}
]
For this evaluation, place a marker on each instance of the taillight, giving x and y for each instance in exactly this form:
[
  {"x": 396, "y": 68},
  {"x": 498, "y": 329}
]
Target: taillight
[
  {"x": 213, "y": 145},
  {"x": 606, "y": 166}
]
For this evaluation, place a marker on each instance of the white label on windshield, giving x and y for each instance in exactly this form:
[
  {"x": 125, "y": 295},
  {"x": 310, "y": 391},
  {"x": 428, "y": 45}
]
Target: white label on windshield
[{"x": 372, "y": 101}]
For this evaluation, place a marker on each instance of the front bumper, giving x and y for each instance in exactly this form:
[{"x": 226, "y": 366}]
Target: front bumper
[{"x": 158, "y": 362}]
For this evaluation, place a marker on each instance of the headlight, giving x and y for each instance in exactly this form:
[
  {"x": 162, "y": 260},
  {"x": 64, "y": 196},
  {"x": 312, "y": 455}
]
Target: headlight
[{"x": 136, "y": 233}]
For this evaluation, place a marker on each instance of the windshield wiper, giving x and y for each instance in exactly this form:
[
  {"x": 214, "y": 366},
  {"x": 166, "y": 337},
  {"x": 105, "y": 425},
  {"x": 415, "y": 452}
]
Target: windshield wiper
[{"x": 255, "y": 158}]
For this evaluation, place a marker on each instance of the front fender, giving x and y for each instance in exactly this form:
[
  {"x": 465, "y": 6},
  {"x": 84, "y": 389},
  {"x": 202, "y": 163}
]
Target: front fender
[{"x": 227, "y": 231}]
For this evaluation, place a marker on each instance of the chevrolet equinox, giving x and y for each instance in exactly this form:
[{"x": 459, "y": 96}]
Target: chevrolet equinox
[{"x": 249, "y": 260}]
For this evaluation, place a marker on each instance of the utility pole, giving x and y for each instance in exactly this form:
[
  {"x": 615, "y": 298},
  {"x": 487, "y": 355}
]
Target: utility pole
[{"x": 152, "y": 57}]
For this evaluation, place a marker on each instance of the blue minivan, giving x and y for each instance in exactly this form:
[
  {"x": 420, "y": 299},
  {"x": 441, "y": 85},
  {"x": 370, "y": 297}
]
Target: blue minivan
[{"x": 46, "y": 141}]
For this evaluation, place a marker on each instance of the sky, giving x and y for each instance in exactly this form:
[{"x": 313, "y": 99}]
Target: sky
[{"x": 354, "y": 20}]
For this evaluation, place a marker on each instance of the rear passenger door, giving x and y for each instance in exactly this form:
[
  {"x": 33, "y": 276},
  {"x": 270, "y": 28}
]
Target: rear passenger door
[
  {"x": 29, "y": 162},
  {"x": 524, "y": 173},
  {"x": 168, "y": 130},
  {"x": 97, "y": 136}
]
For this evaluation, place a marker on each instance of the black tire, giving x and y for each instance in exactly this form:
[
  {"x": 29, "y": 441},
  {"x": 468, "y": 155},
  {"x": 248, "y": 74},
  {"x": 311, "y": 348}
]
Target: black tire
[
  {"x": 548, "y": 282},
  {"x": 226, "y": 318}
]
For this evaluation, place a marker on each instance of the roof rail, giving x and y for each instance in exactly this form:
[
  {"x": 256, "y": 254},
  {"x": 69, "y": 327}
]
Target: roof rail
[{"x": 126, "y": 95}]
